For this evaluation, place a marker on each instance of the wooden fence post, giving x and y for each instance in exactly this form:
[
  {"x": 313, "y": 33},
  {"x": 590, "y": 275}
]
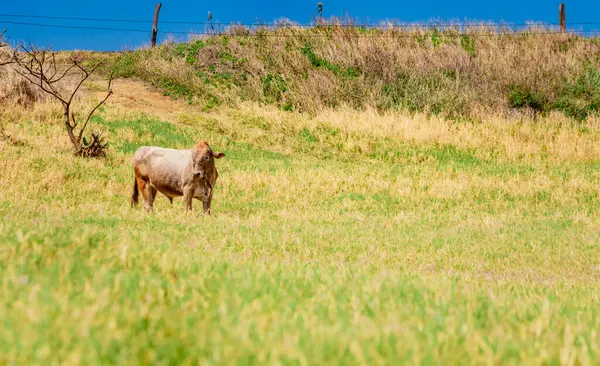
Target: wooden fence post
[
  {"x": 210, "y": 21},
  {"x": 562, "y": 18},
  {"x": 155, "y": 24},
  {"x": 320, "y": 11}
]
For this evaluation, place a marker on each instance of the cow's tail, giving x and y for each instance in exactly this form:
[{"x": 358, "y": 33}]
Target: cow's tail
[{"x": 136, "y": 193}]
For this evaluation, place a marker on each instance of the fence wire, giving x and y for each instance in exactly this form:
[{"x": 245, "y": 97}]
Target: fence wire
[{"x": 387, "y": 29}]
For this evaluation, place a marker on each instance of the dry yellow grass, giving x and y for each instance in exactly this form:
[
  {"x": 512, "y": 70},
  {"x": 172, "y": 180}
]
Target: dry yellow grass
[
  {"x": 555, "y": 138},
  {"x": 13, "y": 88}
]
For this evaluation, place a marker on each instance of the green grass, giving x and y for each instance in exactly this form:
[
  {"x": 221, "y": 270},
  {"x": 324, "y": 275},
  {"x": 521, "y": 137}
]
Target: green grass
[
  {"x": 325, "y": 247},
  {"x": 577, "y": 100},
  {"x": 317, "y": 61}
]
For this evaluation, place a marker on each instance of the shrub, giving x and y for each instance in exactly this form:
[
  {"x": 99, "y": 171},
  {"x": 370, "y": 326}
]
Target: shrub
[
  {"x": 274, "y": 87},
  {"x": 521, "y": 97}
]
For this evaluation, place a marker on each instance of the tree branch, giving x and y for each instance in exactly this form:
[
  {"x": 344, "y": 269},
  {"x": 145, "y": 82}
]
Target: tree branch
[
  {"x": 74, "y": 122},
  {"x": 38, "y": 81},
  {"x": 8, "y": 61},
  {"x": 108, "y": 94},
  {"x": 52, "y": 67},
  {"x": 83, "y": 79},
  {"x": 63, "y": 75}
]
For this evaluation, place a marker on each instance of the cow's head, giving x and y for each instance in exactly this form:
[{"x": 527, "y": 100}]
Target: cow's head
[{"x": 202, "y": 156}]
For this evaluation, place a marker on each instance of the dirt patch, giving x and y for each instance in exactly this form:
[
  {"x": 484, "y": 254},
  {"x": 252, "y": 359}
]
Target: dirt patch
[{"x": 138, "y": 96}]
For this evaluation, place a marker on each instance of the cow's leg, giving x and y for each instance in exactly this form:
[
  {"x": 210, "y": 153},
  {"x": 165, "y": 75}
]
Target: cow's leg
[
  {"x": 142, "y": 184},
  {"x": 151, "y": 196},
  {"x": 188, "y": 196},
  {"x": 206, "y": 204}
]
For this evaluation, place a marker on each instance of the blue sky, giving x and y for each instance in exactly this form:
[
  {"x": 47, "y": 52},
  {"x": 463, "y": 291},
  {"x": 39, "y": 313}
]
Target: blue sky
[{"x": 251, "y": 11}]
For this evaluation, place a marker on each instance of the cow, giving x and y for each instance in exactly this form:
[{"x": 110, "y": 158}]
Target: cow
[{"x": 189, "y": 173}]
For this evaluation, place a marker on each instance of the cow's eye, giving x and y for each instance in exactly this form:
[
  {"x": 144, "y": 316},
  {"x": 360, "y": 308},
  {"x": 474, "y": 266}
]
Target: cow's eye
[{"x": 206, "y": 158}]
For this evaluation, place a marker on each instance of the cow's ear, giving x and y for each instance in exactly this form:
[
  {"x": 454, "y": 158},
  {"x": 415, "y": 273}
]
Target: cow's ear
[{"x": 218, "y": 155}]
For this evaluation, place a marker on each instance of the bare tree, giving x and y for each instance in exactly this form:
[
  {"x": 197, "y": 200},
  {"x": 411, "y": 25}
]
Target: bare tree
[{"x": 40, "y": 68}]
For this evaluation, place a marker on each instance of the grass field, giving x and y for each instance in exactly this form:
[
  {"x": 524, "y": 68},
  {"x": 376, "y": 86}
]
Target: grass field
[{"x": 348, "y": 238}]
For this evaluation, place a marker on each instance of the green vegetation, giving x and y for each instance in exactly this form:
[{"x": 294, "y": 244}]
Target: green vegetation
[
  {"x": 577, "y": 100},
  {"x": 321, "y": 62},
  {"x": 468, "y": 44},
  {"x": 125, "y": 66},
  {"x": 334, "y": 242},
  {"x": 174, "y": 89},
  {"x": 581, "y": 98},
  {"x": 519, "y": 97},
  {"x": 190, "y": 50},
  {"x": 274, "y": 87}
]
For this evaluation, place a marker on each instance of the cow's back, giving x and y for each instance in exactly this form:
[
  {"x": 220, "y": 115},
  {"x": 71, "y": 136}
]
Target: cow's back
[
  {"x": 161, "y": 166},
  {"x": 140, "y": 154}
]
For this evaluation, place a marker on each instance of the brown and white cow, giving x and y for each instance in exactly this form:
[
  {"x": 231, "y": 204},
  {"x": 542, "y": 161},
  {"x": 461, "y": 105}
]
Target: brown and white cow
[{"x": 189, "y": 173}]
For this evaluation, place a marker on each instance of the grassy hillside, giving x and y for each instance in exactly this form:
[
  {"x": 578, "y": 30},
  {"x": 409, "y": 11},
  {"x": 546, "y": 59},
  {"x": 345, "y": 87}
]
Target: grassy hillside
[
  {"x": 457, "y": 72},
  {"x": 349, "y": 238}
]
